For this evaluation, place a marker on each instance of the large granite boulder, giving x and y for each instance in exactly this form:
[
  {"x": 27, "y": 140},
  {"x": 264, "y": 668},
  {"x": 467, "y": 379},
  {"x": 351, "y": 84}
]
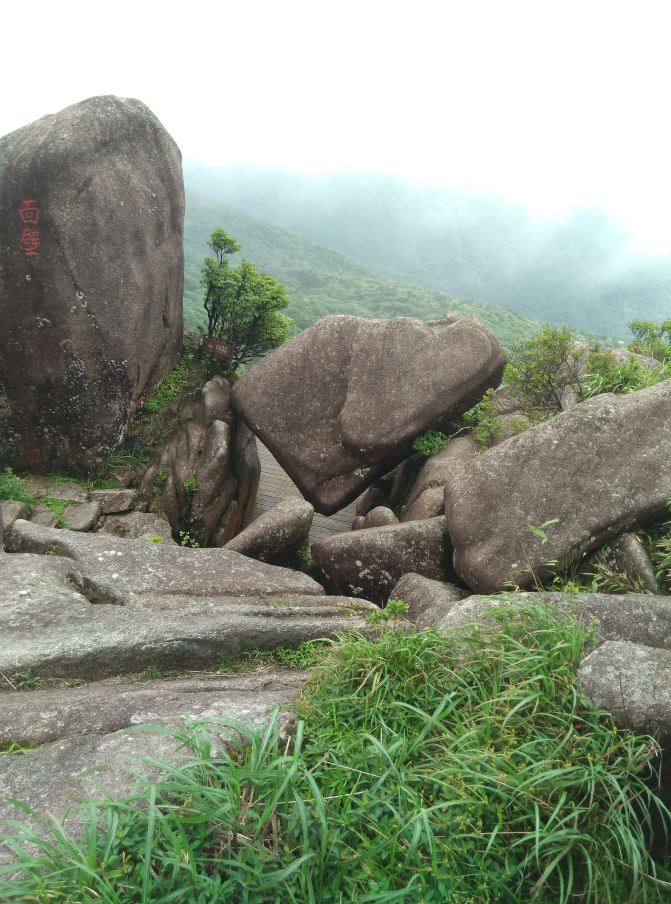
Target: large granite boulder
[
  {"x": 341, "y": 404},
  {"x": 91, "y": 279},
  {"x": 594, "y": 471},
  {"x": 368, "y": 563},
  {"x": 204, "y": 477}
]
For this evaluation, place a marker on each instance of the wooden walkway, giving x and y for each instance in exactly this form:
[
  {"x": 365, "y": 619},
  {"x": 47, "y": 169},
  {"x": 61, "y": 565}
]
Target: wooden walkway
[{"x": 275, "y": 484}]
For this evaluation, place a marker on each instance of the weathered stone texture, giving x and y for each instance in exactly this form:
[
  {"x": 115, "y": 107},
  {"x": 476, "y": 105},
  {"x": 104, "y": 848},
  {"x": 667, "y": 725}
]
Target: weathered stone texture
[
  {"x": 600, "y": 468},
  {"x": 91, "y": 306},
  {"x": 428, "y": 601},
  {"x": 277, "y": 534},
  {"x": 205, "y": 476},
  {"x": 368, "y": 563}
]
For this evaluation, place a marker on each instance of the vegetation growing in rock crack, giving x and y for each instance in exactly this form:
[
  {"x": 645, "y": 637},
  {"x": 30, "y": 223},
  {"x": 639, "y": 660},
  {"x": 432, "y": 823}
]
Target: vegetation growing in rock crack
[
  {"x": 544, "y": 371},
  {"x": 424, "y": 768},
  {"x": 430, "y": 442}
]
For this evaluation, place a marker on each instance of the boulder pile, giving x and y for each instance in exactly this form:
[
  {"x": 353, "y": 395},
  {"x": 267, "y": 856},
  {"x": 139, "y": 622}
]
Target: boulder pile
[{"x": 94, "y": 588}]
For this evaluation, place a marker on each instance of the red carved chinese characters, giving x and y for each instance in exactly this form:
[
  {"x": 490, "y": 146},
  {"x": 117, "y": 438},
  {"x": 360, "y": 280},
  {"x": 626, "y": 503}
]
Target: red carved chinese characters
[{"x": 29, "y": 214}]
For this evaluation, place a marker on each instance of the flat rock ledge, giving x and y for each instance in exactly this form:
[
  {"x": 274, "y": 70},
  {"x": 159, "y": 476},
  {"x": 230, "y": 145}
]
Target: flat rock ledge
[
  {"x": 117, "y": 570},
  {"x": 50, "y": 625},
  {"x": 86, "y": 751}
]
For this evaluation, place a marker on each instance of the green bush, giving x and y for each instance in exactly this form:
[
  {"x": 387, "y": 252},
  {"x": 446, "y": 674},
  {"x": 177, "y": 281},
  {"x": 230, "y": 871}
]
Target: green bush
[
  {"x": 652, "y": 339},
  {"x": 486, "y": 425},
  {"x": 424, "y": 769},
  {"x": 191, "y": 484},
  {"x": 542, "y": 369},
  {"x": 186, "y": 376},
  {"x": 430, "y": 442},
  {"x": 604, "y": 373},
  {"x": 14, "y": 488}
]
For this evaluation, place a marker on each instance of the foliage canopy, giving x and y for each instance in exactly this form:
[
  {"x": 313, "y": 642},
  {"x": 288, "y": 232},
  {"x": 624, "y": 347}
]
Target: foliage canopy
[{"x": 243, "y": 304}]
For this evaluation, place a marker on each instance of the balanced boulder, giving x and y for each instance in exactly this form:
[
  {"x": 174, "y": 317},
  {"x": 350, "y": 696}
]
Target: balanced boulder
[
  {"x": 91, "y": 279},
  {"x": 341, "y": 404},
  {"x": 561, "y": 489}
]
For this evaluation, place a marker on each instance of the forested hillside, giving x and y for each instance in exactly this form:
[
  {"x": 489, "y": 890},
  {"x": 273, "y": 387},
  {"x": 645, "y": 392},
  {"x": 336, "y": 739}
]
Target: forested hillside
[
  {"x": 321, "y": 281},
  {"x": 582, "y": 271}
]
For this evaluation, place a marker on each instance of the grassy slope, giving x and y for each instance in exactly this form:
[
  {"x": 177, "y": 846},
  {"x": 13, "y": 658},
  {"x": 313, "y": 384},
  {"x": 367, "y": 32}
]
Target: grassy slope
[{"x": 321, "y": 281}]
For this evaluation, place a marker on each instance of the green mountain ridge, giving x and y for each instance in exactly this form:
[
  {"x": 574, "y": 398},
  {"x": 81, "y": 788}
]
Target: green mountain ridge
[
  {"x": 582, "y": 270},
  {"x": 321, "y": 281}
]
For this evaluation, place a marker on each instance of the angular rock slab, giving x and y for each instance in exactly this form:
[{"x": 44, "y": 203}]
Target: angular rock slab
[
  {"x": 113, "y": 502},
  {"x": 632, "y": 682},
  {"x": 429, "y": 504},
  {"x": 133, "y": 525},
  {"x": 277, "y": 534},
  {"x": 341, "y": 404},
  {"x": 91, "y": 278},
  {"x": 636, "y": 617},
  {"x": 600, "y": 468},
  {"x": 86, "y": 752},
  {"x": 368, "y": 563},
  {"x": 428, "y": 601},
  {"x": 51, "y": 625},
  {"x": 117, "y": 571}
]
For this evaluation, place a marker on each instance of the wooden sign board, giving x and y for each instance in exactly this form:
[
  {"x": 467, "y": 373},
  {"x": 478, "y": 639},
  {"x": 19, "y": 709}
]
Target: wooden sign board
[{"x": 218, "y": 348}]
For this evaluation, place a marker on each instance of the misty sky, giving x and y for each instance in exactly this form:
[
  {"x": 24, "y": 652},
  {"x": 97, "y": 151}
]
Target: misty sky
[{"x": 555, "y": 104}]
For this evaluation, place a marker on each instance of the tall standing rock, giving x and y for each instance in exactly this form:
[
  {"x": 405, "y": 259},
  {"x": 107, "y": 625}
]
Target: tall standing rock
[
  {"x": 91, "y": 278},
  {"x": 341, "y": 404}
]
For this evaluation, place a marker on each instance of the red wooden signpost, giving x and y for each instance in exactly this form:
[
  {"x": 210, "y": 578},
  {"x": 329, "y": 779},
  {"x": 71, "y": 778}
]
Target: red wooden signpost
[{"x": 218, "y": 348}]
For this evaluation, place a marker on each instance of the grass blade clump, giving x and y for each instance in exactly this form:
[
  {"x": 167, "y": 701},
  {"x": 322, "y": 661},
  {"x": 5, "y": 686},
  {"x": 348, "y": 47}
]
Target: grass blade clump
[{"x": 465, "y": 768}]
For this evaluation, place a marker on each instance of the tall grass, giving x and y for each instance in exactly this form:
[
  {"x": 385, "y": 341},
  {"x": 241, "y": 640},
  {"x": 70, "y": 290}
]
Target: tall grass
[{"x": 424, "y": 769}]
